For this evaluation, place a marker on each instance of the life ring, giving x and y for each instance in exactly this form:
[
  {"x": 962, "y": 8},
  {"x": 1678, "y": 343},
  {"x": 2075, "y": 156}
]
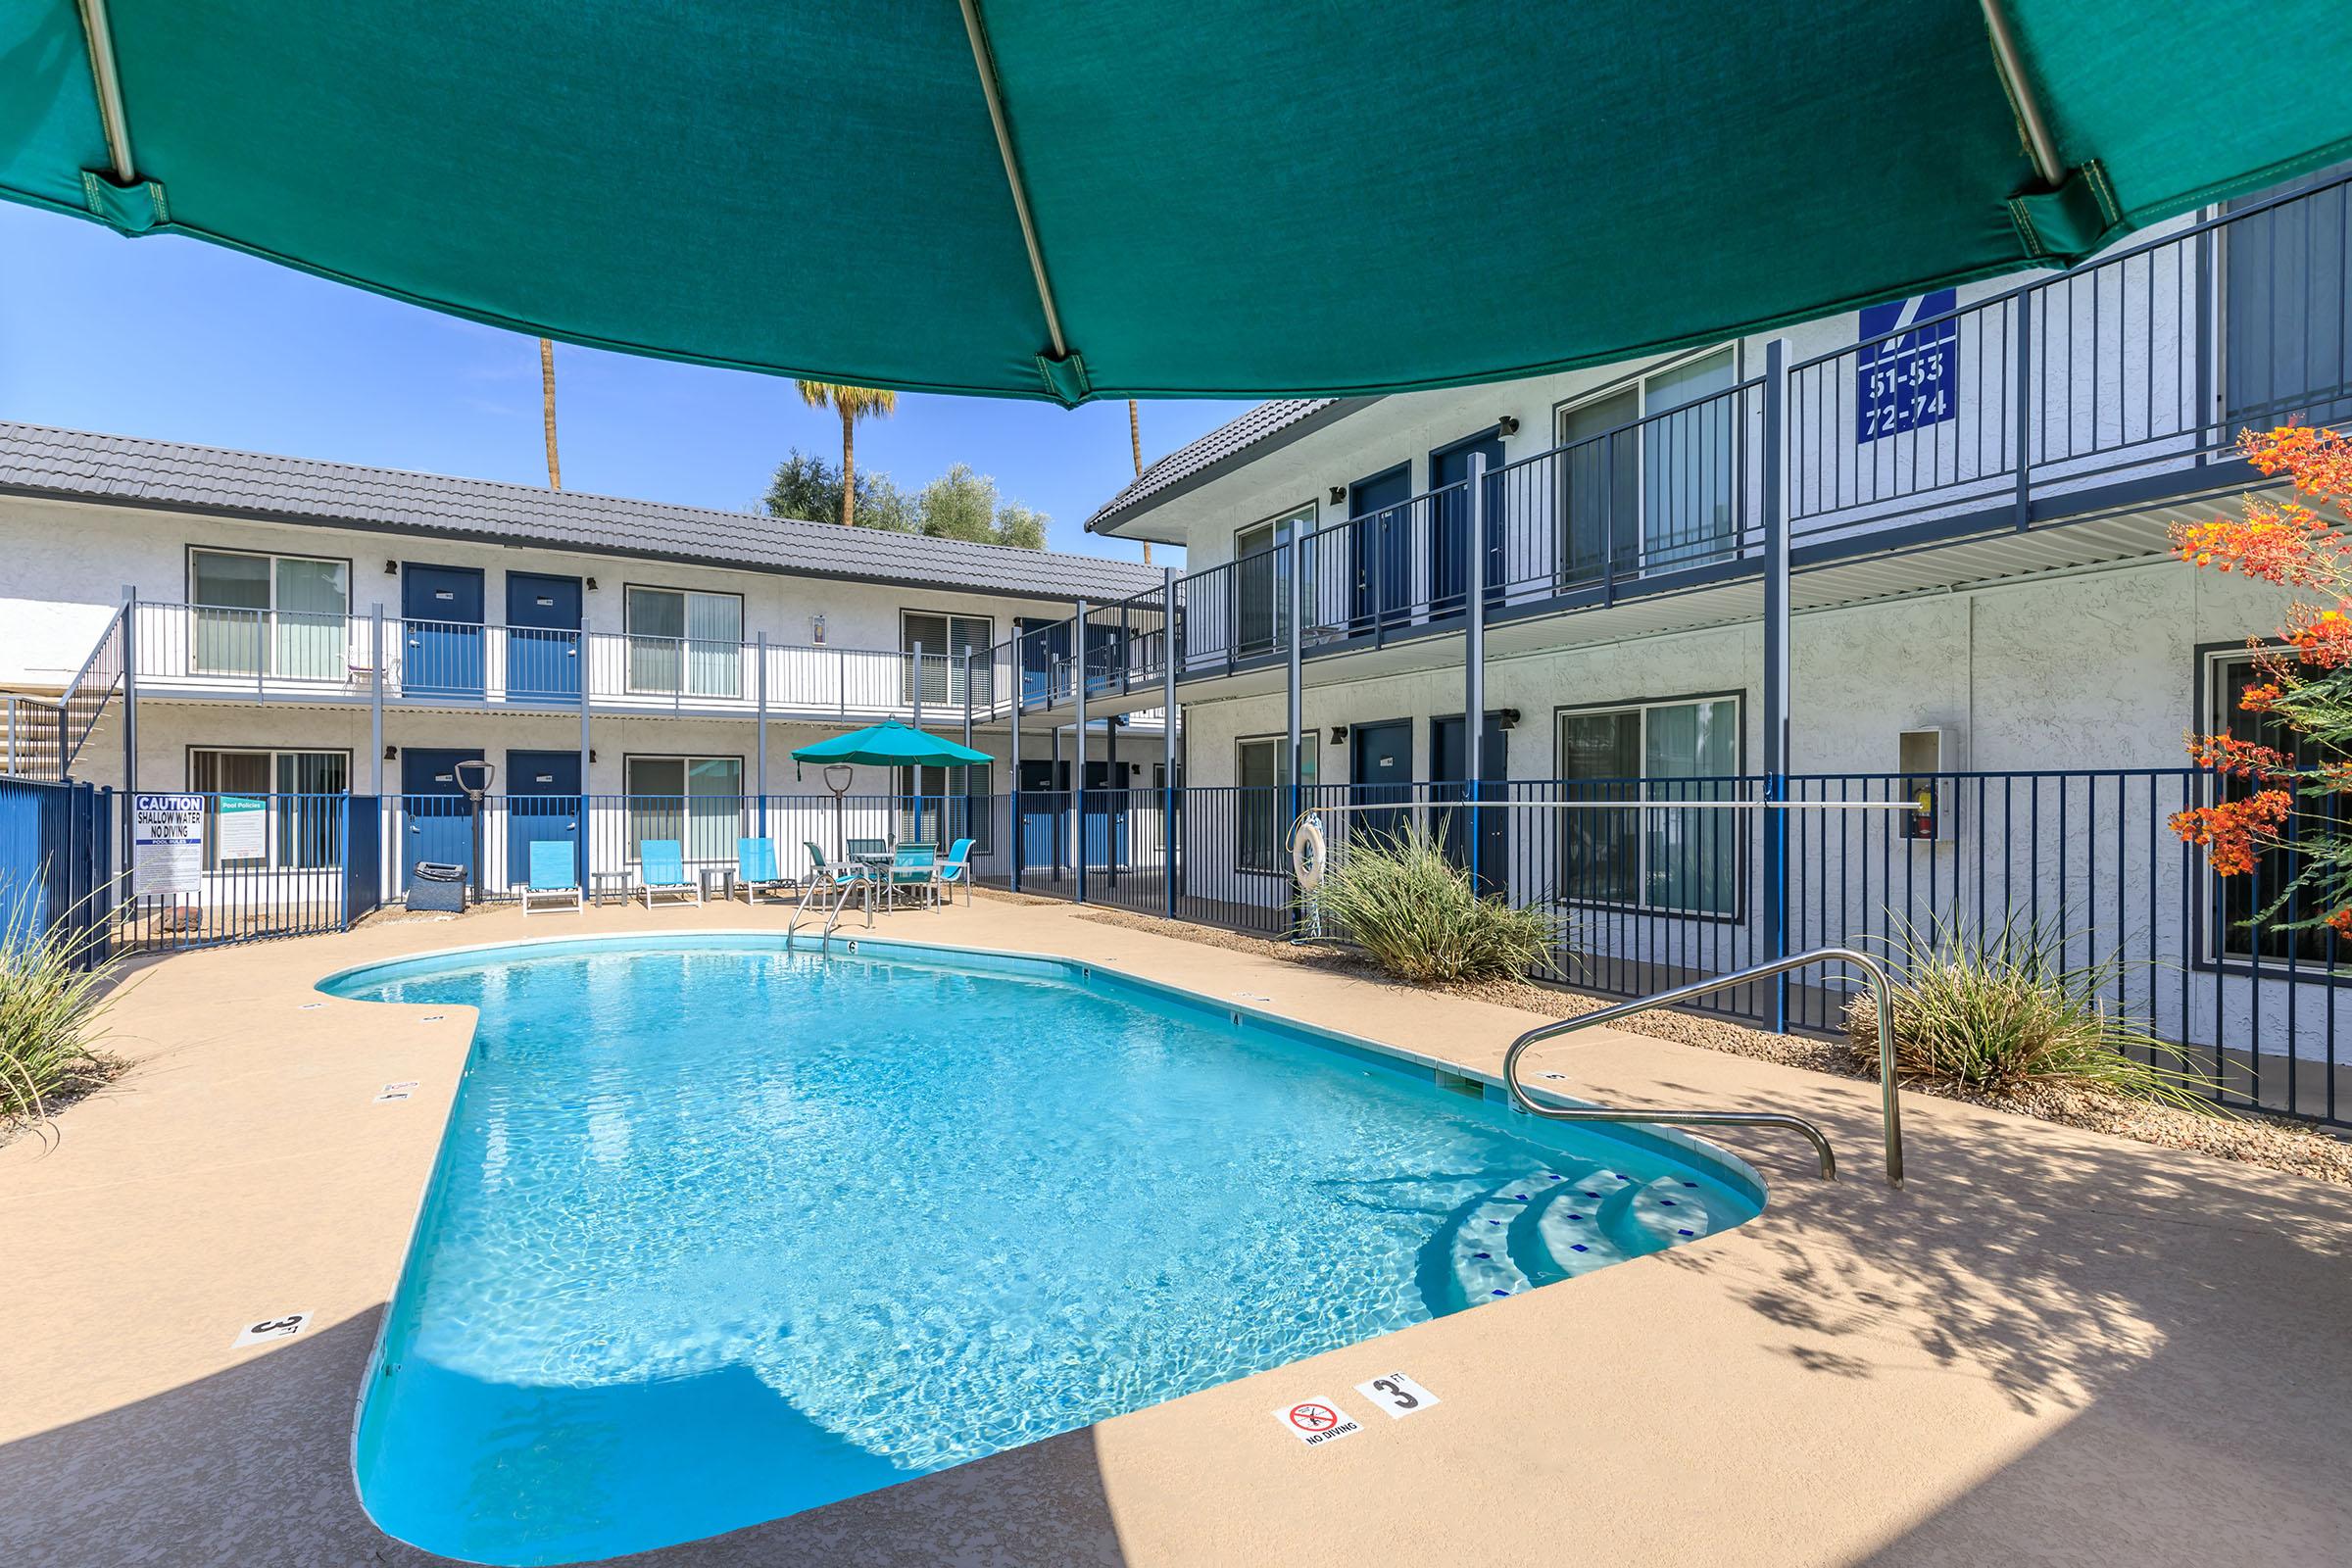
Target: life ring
[{"x": 1308, "y": 852}]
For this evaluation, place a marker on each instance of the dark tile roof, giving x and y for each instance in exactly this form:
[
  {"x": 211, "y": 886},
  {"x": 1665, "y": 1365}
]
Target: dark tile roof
[
  {"x": 169, "y": 476},
  {"x": 1263, "y": 430}
]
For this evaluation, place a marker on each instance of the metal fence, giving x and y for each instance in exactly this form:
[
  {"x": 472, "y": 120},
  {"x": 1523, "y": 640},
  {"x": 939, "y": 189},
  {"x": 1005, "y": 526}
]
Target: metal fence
[{"x": 55, "y": 866}]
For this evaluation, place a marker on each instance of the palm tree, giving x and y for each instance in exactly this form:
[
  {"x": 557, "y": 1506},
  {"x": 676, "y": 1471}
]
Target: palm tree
[
  {"x": 1135, "y": 441},
  {"x": 852, "y": 403},
  {"x": 547, "y": 402}
]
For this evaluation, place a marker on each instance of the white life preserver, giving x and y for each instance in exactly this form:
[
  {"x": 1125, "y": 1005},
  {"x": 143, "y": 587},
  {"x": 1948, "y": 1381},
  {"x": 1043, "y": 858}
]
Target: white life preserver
[{"x": 1308, "y": 852}]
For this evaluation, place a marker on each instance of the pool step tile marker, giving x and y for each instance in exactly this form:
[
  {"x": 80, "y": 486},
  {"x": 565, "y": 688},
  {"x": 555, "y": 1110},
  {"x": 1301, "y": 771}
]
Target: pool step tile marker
[
  {"x": 1396, "y": 1396},
  {"x": 394, "y": 1094},
  {"x": 1317, "y": 1421},
  {"x": 262, "y": 1330}
]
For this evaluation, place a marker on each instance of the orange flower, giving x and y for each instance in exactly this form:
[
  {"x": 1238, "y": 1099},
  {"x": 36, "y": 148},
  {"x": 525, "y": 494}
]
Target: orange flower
[
  {"x": 2285, "y": 543},
  {"x": 2234, "y": 832},
  {"x": 2320, "y": 462},
  {"x": 2260, "y": 699},
  {"x": 2321, "y": 638},
  {"x": 2340, "y": 923},
  {"x": 2234, "y": 757}
]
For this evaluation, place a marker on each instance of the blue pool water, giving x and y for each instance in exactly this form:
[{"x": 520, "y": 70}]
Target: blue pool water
[{"x": 722, "y": 1232}]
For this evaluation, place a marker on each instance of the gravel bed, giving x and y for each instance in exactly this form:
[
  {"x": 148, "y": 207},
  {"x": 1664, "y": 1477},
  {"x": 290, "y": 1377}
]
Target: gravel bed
[{"x": 2272, "y": 1143}]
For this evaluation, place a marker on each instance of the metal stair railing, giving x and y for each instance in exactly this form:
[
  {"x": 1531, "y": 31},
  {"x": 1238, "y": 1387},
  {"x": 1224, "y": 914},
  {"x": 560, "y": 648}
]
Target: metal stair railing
[
  {"x": 840, "y": 887},
  {"x": 1890, "y": 1100}
]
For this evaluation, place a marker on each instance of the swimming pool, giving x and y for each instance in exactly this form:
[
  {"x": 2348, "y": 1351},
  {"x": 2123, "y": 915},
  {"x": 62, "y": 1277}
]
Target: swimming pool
[{"x": 720, "y": 1231}]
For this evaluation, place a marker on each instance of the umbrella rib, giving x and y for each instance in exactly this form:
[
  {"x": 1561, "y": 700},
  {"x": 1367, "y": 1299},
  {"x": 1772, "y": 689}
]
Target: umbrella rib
[
  {"x": 985, "y": 59},
  {"x": 2038, "y": 142},
  {"x": 98, "y": 37}
]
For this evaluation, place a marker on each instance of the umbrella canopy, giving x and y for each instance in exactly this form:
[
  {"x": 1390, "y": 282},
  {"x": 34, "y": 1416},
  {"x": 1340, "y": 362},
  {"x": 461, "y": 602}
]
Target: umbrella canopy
[
  {"x": 1160, "y": 197},
  {"x": 891, "y": 744}
]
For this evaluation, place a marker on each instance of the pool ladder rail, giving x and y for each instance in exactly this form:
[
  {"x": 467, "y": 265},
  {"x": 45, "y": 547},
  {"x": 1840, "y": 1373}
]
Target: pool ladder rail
[
  {"x": 859, "y": 882},
  {"x": 1890, "y": 1100}
]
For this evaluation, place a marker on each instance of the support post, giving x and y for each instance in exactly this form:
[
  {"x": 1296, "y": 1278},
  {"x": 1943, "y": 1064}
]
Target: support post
[
  {"x": 1776, "y": 680},
  {"x": 1474, "y": 661},
  {"x": 967, "y": 771},
  {"x": 131, "y": 699},
  {"x": 1060, "y": 797},
  {"x": 375, "y": 698},
  {"x": 1016, "y": 826},
  {"x": 916, "y": 773},
  {"x": 2022, "y": 416},
  {"x": 759, "y": 685},
  {"x": 1168, "y": 734},
  {"x": 1293, "y": 706},
  {"x": 1078, "y": 745},
  {"x": 587, "y": 827}
]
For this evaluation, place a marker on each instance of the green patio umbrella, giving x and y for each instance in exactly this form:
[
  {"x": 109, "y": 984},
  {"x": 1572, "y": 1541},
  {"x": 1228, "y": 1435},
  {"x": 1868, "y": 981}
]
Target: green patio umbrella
[
  {"x": 1036, "y": 198},
  {"x": 889, "y": 744}
]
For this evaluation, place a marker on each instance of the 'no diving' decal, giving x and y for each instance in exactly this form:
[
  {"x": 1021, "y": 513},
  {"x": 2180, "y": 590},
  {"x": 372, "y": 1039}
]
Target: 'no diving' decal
[{"x": 1317, "y": 1421}]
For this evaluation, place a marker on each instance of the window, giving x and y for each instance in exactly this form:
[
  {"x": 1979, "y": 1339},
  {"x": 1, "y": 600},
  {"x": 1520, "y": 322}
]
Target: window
[
  {"x": 300, "y": 814},
  {"x": 1261, "y": 581},
  {"x": 697, "y": 800},
  {"x": 1659, "y": 493},
  {"x": 950, "y": 635},
  {"x": 2233, "y": 901},
  {"x": 274, "y": 614},
  {"x": 684, "y": 643},
  {"x": 940, "y": 794},
  {"x": 1679, "y": 861},
  {"x": 1263, "y": 811}
]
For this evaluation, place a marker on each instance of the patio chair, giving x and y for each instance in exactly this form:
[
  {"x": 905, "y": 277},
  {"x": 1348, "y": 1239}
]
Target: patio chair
[
  {"x": 915, "y": 866},
  {"x": 556, "y": 875},
  {"x": 662, "y": 869},
  {"x": 841, "y": 880},
  {"x": 955, "y": 872},
  {"x": 756, "y": 870},
  {"x": 857, "y": 851}
]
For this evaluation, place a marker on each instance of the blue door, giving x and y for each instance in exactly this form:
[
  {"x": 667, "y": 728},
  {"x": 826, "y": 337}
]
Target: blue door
[
  {"x": 542, "y": 638},
  {"x": 1044, "y": 655},
  {"x": 441, "y": 609},
  {"x": 1449, "y": 539},
  {"x": 1105, "y": 815},
  {"x": 1380, "y": 549},
  {"x": 1380, "y": 766},
  {"x": 543, "y": 802},
  {"x": 1447, "y": 766},
  {"x": 440, "y": 819},
  {"x": 1041, "y": 810}
]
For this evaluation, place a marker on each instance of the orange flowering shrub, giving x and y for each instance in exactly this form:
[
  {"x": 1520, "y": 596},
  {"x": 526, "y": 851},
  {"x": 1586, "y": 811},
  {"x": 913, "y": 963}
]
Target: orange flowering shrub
[{"x": 2300, "y": 801}]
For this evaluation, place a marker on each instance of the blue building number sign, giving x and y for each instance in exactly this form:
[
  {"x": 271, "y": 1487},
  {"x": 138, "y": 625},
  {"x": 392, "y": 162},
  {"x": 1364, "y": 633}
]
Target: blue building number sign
[{"x": 1913, "y": 379}]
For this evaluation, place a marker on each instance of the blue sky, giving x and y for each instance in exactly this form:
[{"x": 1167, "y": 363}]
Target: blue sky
[{"x": 168, "y": 338}]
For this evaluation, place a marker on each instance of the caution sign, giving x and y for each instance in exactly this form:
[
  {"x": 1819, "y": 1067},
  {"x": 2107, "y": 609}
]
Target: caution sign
[
  {"x": 1316, "y": 1422},
  {"x": 166, "y": 846}
]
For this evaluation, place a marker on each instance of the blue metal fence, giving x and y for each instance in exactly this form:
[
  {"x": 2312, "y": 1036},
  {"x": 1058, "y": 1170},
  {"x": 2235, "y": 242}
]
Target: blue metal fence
[{"x": 55, "y": 845}]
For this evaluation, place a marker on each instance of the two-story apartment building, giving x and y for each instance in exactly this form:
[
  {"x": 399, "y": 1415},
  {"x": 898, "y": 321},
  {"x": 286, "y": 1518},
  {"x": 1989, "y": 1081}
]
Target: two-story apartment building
[
  {"x": 1973, "y": 490},
  {"x": 176, "y": 617}
]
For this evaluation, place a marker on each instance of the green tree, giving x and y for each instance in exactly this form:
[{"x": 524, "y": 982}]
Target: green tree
[
  {"x": 807, "y": 486},
  {"x": 852, "y": 404},
  {"x": 963, "y": 505}
]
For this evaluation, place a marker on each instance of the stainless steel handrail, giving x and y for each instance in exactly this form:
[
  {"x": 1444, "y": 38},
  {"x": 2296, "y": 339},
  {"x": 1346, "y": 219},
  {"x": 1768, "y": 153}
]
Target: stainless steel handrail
[{"x": 1888, "y": 1091}]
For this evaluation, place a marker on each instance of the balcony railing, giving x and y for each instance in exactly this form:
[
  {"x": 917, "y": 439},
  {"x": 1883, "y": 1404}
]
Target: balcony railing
[
  {"x": 208, "y": 652},
  {"x": 2059, "y": 396}
]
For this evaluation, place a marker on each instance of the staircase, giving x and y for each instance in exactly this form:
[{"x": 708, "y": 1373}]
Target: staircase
[
  {"x": 1555, "y": 1222},
  {"x": 42, "y": 736}
]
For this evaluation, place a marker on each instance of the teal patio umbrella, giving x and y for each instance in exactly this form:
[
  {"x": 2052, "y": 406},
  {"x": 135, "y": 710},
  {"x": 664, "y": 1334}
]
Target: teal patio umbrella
[
  {"x": 1176, "y": 198},
  {"x": 889, "y": 744}
]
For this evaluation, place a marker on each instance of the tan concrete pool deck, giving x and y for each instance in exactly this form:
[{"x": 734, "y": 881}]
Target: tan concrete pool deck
[{"x": 2051, "y": 1347}]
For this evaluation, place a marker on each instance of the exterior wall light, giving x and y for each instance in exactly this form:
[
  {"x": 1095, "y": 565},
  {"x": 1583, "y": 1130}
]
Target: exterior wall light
[
  {"x": 1507, "y": 719},
  {"x": 1339, "y": 493},
  {"x": 391, "y": 568},
  {"x": 1339, "y": 734},
  {"x": 1508, "y": 425}
]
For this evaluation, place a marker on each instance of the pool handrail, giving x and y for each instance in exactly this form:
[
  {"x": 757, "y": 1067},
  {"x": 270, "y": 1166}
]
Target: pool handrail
[{"x": 1880, "y": 990}]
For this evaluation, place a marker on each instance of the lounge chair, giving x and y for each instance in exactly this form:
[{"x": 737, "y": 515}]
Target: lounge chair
[
  {"x": 756, "y": 870},
  {"x": 915, "y": 866},
  {"x": 662, "y": 869},
  {"x": 955, "y": 872},
  {"x": 556, "y": 875}
]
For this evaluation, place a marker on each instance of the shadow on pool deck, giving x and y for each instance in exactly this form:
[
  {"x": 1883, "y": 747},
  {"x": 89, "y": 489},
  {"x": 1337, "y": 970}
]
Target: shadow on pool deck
[{"x": 250, "y": 1467}]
